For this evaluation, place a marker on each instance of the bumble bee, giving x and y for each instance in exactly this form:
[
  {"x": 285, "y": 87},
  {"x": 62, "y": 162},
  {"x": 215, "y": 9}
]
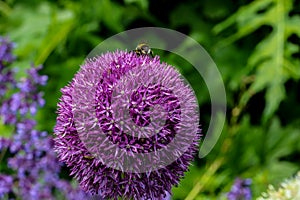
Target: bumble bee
[
  {"x": 143, "y": 49},
  {"x": 88, "y": 157}
]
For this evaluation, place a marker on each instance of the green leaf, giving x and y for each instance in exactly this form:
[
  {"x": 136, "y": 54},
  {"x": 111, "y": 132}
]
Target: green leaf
[
  {"x": 271, "y": 60},
  {"x": 245, "y": 16},
  {"x": 275, "y": 94},
  {"x": 59, "y": 29},
  {"x": 281, "y": 170},
  {"x": 4, "y": 8},
  {"x": 292, "y": 26},
  {"x": 112, "y": 15},
  {"x": 5, "y": 131},
  {"x": 187, "y": 183},
  {"x": 143, "y": 4}
]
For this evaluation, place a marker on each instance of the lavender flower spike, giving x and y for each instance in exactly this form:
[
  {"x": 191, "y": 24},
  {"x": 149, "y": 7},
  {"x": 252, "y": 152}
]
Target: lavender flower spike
[
  {"x": 127, "y": 126},
  {"x": 6, "y": 55},
  {"x": 6, "y": 58},
  {"x": 29, "y": 166}
]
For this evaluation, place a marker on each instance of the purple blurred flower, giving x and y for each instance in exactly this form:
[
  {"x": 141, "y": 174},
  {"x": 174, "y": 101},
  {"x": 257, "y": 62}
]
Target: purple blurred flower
[
  {"x": 72, "y": 193},
  {"x": 6, "y": 183},
  {"x": 34, "y": 158},
  {"x": 106, "y": 74},
  {"x": 240, "y": 190},
  {"x": 29, "y": 152},
  {"x": 4, "y": 143},
  {"x": 6, "y": 58},
  {"x": 6, "y": 55},
  {"x": 27, "y": 100}
]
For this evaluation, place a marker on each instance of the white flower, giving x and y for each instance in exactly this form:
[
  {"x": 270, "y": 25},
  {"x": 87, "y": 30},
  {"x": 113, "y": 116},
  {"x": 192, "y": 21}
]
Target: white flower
[{"x": 288, "y": 190}]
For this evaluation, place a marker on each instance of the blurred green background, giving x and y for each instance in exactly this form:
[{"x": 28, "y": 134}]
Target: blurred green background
[{"x": 255, "y": 44}]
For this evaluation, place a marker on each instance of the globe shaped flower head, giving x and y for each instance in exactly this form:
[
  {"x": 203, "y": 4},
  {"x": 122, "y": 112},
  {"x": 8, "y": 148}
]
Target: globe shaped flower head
[{"x": 127, "y": 126}]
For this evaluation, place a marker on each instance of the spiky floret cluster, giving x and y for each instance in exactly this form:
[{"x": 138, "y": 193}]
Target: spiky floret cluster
[{"x": 127, "y": 126}]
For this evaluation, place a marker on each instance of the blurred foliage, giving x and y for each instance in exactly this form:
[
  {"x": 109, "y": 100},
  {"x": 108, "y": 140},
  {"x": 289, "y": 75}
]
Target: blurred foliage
[{"x": 255, "y": 44}]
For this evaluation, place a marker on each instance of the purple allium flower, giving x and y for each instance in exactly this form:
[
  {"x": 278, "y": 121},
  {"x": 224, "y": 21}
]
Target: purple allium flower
[
  {"x": 127, "y": 126},
  {"x": 240, "y": 190}
]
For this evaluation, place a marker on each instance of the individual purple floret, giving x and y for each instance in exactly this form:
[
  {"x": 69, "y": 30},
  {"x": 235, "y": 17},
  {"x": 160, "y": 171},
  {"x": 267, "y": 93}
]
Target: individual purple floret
[
  {"x": 6, "y": 183},
  {"x": 120, "y": 123},
  {"x": 4, "y": 143},
  {"x": 240, "y": 190}
]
